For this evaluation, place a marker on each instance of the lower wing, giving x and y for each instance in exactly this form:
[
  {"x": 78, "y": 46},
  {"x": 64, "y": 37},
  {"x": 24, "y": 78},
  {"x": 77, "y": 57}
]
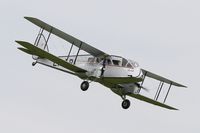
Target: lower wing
[
  {"x": 31, "y": 49},
  {"x": 149, "y": 100}
]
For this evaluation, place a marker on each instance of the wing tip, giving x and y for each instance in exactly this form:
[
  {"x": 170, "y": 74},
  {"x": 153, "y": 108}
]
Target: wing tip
[
  {"x": 25, "y": 50},
  {"x": 31, "y": 19},
  {"x": 28, "y": 18},
  {"x": 182, "y": 86},
  {"x": 172, "y": 108},
  {"x": 20, "y": 42},
  {"x": 17, "y": 41}
]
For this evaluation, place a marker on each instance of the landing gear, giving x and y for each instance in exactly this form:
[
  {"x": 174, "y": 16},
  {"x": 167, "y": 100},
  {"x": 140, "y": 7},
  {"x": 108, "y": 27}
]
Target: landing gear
[
  {"x": 126, "y": 104},
  {"x": 84, "y": 85},
  {"x": 34, "y": 63}
]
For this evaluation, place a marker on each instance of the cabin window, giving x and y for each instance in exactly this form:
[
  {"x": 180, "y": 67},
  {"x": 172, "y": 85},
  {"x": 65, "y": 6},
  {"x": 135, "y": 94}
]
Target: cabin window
[
  {"x": 91, "y": 60},
  {"x": 116, "y": 62},
  {"x": 97, "y": 60},
  {"x": 109, "y": 62}
]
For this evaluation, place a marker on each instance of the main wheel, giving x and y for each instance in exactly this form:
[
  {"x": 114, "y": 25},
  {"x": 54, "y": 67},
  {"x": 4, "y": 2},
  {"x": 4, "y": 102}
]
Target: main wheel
[
  {"x": 126, "y": 104},
  {"x": 84, "y": 85}
]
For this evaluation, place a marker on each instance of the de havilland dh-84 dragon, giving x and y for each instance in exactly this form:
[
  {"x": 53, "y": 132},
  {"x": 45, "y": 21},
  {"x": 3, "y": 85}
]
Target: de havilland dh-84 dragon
[{"x": 123, "y": 76}]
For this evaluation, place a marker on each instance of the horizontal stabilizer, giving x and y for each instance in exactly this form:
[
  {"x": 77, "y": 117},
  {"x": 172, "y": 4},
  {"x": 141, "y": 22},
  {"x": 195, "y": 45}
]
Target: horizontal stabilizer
[
  {"x": 149, "y": 100},
  {"x": 31, "y": 49}
]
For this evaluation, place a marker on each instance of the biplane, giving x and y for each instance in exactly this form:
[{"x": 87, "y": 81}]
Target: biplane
[{"x": 123, "y": 76}]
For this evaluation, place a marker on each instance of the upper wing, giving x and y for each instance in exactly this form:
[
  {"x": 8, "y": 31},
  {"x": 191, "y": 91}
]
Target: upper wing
[
  {"x": 82, "y": 45},
  {"x": 146, "y": 99},
  {"x": 31, "y": 49},
  {"x": 157, "y": 77}
]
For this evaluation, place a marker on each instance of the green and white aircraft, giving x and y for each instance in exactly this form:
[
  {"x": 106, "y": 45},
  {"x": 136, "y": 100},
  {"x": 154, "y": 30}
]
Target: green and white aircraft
[{"x": 124, "y": 77}]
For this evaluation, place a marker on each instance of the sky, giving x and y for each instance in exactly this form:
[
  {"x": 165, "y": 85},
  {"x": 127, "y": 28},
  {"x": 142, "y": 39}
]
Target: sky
[{"x": 162, "y": 36}]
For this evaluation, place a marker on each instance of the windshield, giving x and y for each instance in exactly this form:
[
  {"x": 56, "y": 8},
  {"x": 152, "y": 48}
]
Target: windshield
[
  {"x": 120, "y": 61},
  {"x": 134, "y": 63}
]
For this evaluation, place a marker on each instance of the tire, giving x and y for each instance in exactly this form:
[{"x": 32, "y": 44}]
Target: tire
[
  {"x": 126, "y": 104},
  {"x": 84, "y": 85},
  {"x": 34, "y": 63}
]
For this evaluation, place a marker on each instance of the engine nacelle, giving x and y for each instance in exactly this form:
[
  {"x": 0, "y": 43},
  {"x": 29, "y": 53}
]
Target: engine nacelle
[{"x": 131, "y": 88}]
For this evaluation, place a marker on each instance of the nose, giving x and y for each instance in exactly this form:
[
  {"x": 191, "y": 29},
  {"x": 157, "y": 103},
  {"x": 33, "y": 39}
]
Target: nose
[
  {"x": 137, "y": 72},
  {"x": 140, "y": 73}
]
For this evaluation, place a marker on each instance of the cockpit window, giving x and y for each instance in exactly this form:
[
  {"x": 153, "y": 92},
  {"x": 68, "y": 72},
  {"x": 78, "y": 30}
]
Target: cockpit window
[
  {"x": 93, "y": 60},
  {"x": 129, "y": 65},
  {"x": 134, "y": 63}
]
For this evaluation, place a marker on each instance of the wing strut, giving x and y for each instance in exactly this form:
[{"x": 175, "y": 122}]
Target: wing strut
[
  {"x": 159, "y": 90},
  {"x": 78, "y": 52},
  {"x": 144, "y": 78},
  {"x": 167, "y": 92},
  {"x": 41, "y": 41},
  {"x": 38, "y": 36},
  {"x": 48, "y": 38},
  {"x": 70, "y": 51}
]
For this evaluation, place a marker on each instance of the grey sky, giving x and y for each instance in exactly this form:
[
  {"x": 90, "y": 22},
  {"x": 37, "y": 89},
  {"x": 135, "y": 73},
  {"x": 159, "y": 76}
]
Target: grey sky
[{"x": 163, "y": 36}]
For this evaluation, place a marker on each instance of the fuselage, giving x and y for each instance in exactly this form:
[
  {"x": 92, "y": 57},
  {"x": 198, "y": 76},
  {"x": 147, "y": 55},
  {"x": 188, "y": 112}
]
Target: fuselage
[{"x": 111, "y": 66}]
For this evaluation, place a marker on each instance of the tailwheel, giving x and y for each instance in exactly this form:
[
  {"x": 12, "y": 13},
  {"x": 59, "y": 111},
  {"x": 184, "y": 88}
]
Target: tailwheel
[
  {"x": 84, "y": 85},
  {"x": 126, "y": 104},
  {"x": 34, "y": 63}
]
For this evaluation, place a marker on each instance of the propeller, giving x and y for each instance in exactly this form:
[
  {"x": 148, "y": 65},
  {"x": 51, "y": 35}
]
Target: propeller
[{"x": 142, "y": 87}]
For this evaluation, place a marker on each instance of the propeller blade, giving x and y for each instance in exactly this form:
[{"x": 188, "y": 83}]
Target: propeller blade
[{"x": 144, "y": 88}]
